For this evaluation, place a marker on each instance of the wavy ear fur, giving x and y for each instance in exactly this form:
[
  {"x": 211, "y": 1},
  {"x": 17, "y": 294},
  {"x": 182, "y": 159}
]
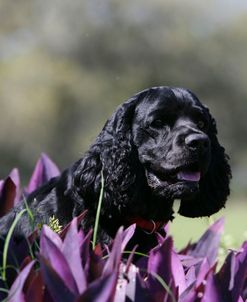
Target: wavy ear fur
[
  {"x": 214, "y": 186},
  {"x": 112, "y": 152}
]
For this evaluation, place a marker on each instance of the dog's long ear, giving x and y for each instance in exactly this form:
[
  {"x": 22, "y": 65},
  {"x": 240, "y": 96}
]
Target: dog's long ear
[
  {"x": 117, "y": 154},
  {"x": 214, "y": 186},
  {"x": 113, "y": 153}
]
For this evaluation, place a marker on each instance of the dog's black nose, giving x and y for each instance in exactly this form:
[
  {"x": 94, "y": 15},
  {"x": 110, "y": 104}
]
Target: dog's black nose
[{"x": 197, "y": 142}]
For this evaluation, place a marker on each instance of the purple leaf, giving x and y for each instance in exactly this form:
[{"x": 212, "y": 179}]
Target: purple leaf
[
  {"x": 208, "y": 244},
  {"x": 85, "y": 252},
  {"x": 201, "y": 275},
  {"x": 240, "y": 271},
  {"x": 114, "y": 259},
  {"x": 52, "y": 252},
  {"x": 1, "y": 186},
  {"x": 189, "y": 296},
  {"x": 126, "y": 284},
  {"x": 160, "y": 238},
  {"x": 102, "y": 289},
  {"x": 189, "y": 261},
  {"x": 44, "y": 170},
  {"x": 15, "y": 177},
  {"x": 54, "y": 237},
  {"x": 57, "y": 288},
  {"x": 8, "y": 195},
  {"x": 190, "y": 276},
  {"x": 160, "y": 264},
  {"x": 122, "y": 283},
  {"x": 10, "y": 191},
  {"x": 96, "y": 263},
  {"x": 178, "y": 273},
  {"x": 35, "y": 290},
  {"x": 232, "y": 275},
  {"x": 127, "y": 235},
  {"x": 212, "y": 290},
  {"x": 79, "y": 220},
  {"x": 205, "y": 288},
  {"x": 16, "y": 290},
  {"x": 71, "y": 251},
  {"x": 131, "y": 283}
]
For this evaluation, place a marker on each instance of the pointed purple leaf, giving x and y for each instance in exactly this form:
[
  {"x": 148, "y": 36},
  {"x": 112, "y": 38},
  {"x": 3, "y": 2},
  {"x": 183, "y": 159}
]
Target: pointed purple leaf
[
  {"x": 114, "y": 259},
  {"x": 178, "y": 273},
  {"x": 189, "y": 261},
  {"x": 1, "y": 186},
  {"x": 226, "y": 276},
  {"x": 15, "y": 176},
  {"x": 160, "y": 238},
  {"x": 35, "y": 291},
  {"x": 102, "y": 289},
  {"x": 45, "y": 169},
  {"x": 208, "y": 244},
  {"x": 205, "y": 288},
  {"x": 240, "y": 271},
  {"x": 56, "y": 286},
  {"x": 8, "y": 195},
  {"x": 85, "y": 252},
  {"x": 130, "y": 258},
  {"x": 131, "y": 282},
  {"x": 190, "y": 276},
  {"x": 189, "y": 296},
  {"x": 127, "y": 235},
  {"x": 16, "y": 290},
  {"x": 212, "y": 290},
  {"x": 121, "y": 287},
  {"x": 95, "y": 264},
  {"x": 46, "y": 232},
  {"x": 202, "y": 273},
  {"x": 79, "y": 220},
  {"x": 71, "y": 251},
  {"x": 126, "y": 284},
  {"x": 160, "y": 264},
  {"x": 53, "y": 253},
  {"x": 232, "y": 275}
]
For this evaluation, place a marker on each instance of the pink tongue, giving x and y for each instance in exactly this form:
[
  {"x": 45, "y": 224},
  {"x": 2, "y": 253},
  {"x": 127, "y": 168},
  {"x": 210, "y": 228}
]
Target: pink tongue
[{"x": 190, "y": 176}]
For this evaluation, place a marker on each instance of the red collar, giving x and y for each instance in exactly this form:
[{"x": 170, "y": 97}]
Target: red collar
[{"x": 149, "y": 226}]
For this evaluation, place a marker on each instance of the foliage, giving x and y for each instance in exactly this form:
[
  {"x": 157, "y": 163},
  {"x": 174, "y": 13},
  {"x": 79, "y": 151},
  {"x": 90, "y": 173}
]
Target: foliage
[{"x": 65, "y": 266}]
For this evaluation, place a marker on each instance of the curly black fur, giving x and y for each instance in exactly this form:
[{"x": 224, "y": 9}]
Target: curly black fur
[{"x": 140, "y": 150}]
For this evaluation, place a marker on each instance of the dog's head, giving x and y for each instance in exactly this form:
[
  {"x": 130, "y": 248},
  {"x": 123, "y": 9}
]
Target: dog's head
[
  {"x": 170, "y": 131},
  {"x": 176, "y": 140},
  {"x": 177, "y": 145}
]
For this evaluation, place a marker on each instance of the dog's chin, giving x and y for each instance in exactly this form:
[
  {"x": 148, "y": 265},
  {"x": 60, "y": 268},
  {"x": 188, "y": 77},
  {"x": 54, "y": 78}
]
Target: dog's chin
[{"x": 182, "y": 185}]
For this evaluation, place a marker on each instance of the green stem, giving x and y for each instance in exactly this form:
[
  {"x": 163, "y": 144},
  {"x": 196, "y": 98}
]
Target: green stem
[
  {"x": 7, "y": 241},
  {"x": 96, "y": 226}
]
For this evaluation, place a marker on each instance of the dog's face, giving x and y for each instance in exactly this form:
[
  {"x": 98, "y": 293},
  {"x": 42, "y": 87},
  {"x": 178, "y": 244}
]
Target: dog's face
[{"x": 170, "y": 130}]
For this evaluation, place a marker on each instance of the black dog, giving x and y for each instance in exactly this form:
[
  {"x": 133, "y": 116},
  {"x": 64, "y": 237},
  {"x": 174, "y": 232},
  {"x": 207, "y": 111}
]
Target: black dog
[{"x": 158, "y": 146}]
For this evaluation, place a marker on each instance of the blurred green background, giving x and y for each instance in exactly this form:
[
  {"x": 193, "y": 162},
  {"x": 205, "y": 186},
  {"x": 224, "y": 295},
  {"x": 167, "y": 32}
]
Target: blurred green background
[{"x": 65, "y": 65}]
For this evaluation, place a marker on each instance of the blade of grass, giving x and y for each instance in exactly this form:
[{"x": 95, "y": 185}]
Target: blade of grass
[
  {"x": 96, "y": 225},
  {"x": 7, "y": 241},
  {"x": 30, "y": 214},
  {"x": 164, "y": 285}
]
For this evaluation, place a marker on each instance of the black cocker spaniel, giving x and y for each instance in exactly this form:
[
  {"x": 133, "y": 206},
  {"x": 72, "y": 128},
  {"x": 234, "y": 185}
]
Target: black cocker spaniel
[{"x": 158, "y": 146}]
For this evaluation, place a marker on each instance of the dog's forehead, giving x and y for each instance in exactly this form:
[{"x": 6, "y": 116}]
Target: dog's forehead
[{"x": 163, "y": 99}]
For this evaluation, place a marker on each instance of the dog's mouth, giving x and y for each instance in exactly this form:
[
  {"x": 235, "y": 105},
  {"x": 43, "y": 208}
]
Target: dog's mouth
[{"x": 188, "y": 173}]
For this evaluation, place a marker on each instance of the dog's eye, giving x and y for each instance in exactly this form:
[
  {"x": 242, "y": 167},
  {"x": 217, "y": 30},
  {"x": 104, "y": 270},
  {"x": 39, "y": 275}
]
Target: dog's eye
[
  {"x": 201, "y": 124},
  {"x": 157, "y": 123}
]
